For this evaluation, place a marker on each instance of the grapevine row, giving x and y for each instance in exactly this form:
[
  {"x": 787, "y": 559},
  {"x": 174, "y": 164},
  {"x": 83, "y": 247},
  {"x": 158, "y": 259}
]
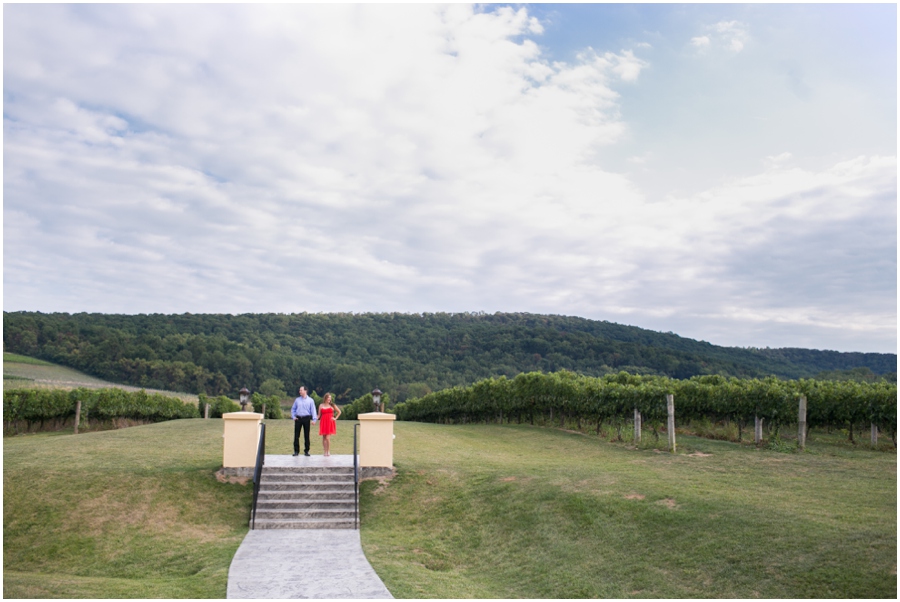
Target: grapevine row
[
  {"x": 40, "y": 406},
  {"x": 613, "y": 398}
]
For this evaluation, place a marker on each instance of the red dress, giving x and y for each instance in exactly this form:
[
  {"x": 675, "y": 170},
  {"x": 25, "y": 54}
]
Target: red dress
[{"x": 327, "y": 424}]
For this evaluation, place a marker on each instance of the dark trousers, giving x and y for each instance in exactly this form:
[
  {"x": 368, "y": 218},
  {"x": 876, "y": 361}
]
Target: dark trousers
[{"x": 301, "y": 422}]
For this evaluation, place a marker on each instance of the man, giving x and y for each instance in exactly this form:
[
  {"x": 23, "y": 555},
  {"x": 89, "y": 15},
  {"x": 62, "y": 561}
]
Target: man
[{"x": 303, "y": 411}]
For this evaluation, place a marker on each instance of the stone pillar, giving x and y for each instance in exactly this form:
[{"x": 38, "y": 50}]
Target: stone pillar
[
  {"x": 376, "y": 445},
  {"x": 241, "y": 439}
]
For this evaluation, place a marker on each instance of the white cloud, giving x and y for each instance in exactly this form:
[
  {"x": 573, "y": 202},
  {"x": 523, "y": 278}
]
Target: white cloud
[
  {"x": 700, "y": 41},
  {"x": 778, "y": 159},
  {"x": 730, "y": 35},
  {"x": 297, "y": 149},
  {"x": 168, "y": 158}
]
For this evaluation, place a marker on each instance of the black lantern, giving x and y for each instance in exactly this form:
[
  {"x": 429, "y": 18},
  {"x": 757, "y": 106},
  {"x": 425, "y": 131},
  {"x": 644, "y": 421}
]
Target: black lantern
[
  {"x": 376, "y": 400},
  {"x": 245, "y": 399}
]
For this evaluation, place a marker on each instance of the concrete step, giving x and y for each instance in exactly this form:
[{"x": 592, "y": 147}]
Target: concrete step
[
  {"x": 268, "y": 477},
  {"x": 305, "y": 524},
  {"x": 305, "y": 504},
  {"x": 306, "y": 497},
  {"x": 327, "y": 494},
  {"x": 301, "y": 488},
  {"x": 318, "y": 496},
  {"x": 312, "y": 513},
  {"x": 342, "y": 470}
]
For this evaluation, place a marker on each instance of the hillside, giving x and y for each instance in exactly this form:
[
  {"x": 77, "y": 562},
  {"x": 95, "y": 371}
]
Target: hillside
[
  {"x": 406, "y": 354},
  {"x": 24, "y": 372}
]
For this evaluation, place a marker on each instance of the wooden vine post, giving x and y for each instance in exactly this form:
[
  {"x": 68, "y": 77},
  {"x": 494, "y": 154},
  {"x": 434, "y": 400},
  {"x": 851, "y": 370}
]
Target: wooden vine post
[
  {"x": 757, "y": 429},
  {"x": 206, "y": 412},
  {"x": 874, "y": 435},
  {"x": 637, "y": 425},
  {"x": 670, "y": 426},
  {"x": 77, "y": 414},
  {"x": 801, "y": 423}
]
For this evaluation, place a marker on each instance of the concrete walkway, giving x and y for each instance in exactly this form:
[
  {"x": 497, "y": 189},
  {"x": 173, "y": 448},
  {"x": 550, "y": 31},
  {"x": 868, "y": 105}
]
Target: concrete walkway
[
  {"x": 315, "y": 460},
  {"x": 303, "y": 563}
]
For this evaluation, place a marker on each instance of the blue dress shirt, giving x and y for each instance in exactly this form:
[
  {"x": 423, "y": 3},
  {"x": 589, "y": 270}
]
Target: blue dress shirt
[{"x": 304, "y": 406}]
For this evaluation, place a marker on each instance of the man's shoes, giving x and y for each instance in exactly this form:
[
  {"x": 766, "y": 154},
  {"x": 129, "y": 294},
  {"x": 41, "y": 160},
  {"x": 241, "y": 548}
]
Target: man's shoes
[
  {"x": 297, "y": 454},
  {"x": 305, "y": 453}
]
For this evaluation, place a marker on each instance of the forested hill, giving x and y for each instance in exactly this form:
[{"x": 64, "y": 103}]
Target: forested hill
[{"x": 404, "y": 354}]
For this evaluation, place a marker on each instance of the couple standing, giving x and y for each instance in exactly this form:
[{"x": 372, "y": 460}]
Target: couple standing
[{"x": 304, "y": 412}]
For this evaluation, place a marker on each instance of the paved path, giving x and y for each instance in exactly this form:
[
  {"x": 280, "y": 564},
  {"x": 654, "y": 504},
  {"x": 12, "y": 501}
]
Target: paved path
[
  {"x": 301, "y": 460},
  {"x": 303, "y": 563}
]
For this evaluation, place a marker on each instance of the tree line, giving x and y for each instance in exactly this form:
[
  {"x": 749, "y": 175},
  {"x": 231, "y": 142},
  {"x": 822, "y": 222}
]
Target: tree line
[{"x": 409, "y": 355}]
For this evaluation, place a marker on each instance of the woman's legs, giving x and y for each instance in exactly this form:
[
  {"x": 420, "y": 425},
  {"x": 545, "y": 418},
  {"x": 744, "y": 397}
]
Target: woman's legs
[{"x": 326, "y": 443}]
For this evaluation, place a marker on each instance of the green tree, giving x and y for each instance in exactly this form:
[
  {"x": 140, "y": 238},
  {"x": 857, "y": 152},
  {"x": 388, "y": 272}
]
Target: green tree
[{"x": 273, "y": 386}]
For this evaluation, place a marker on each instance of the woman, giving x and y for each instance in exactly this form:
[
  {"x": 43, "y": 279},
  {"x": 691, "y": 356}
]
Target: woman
[{"x": 327, "y": 422}]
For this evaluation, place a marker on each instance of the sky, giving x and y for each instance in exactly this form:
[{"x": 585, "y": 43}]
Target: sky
[{"x": 725, "y": 172}]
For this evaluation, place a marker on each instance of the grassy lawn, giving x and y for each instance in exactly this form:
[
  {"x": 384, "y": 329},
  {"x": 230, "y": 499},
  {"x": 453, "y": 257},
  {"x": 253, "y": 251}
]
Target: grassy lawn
[
  {"x": 131, "y": 513},
  {"x": 475, "y": 511},
  {"x": 484, "y": 511}
]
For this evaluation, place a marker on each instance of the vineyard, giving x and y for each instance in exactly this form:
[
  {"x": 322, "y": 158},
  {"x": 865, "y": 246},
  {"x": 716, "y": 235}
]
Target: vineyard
[
  {"x": 590, "y": 402},
  {"x": 26, "y": 410}
]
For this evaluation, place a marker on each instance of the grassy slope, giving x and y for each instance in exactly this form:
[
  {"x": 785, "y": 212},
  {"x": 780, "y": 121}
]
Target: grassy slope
[
  {"x": 20, "y": 371},
  {"x": 129, "y": 513},
  {"x": 487, "y": 511},
  {"x": 475, "y": 512}
]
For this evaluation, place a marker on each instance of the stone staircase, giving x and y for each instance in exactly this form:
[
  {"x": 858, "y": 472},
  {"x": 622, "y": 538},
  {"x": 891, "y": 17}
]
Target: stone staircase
[{"x": 306, "y": 497}]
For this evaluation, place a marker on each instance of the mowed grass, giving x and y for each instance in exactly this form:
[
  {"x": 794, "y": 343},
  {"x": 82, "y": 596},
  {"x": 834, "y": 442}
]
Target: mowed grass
[
  {"x": 474, "y": 511},
  {"x": 23, "y": 372},
  {"x": 23, "y": 359},
  {"x": 131, "y": 513},
  {"x": 483, "y": 511}
]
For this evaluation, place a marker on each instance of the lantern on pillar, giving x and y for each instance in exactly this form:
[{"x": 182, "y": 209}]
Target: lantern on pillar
[
  {"x": 376, "y": 400},
  {"x": 245, "y": 399}
]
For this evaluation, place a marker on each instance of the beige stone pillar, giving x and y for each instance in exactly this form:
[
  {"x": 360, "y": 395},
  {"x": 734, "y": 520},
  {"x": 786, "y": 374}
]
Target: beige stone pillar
[
  {"x": 376, "y": 439},
  {"x": 241, "y": 439}
]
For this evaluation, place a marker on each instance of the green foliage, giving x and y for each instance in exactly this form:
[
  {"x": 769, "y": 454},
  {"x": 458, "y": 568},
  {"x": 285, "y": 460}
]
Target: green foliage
[
  {"x": 219, "y": 405},
  {"x": 408, "y": 355},
  {"x": 780, "y": 445},
  {"x": 363, "y": 405},
  {"x": 273, "y": 386},
  {"x": 612, "y": 398},
  {"x": 272, "y": 403},
  {"x": 38, "y": 406},
  {"x": 858, "y": 374}
]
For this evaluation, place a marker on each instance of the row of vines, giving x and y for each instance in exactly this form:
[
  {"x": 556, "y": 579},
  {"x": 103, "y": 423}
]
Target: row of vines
[
  {"x": 613, "y": 398},
  {"x": 51, "y": 409},
  {"x": 42, "y": 408}
]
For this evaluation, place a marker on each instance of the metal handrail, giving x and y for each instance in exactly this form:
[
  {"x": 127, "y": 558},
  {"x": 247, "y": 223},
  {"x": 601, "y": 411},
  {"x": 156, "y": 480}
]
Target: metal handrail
[
  {"x": 257, "y": 472},
  {"x": 355, "y": 475}
]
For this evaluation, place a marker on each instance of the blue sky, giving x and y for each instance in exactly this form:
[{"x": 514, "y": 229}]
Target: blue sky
[{"x": 726, "y": 172}]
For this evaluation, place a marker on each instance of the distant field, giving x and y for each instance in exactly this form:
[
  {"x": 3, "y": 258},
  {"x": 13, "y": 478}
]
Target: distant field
[
  {"x": 20, "y": 371},
  {"x": 23, "y": 359}
]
